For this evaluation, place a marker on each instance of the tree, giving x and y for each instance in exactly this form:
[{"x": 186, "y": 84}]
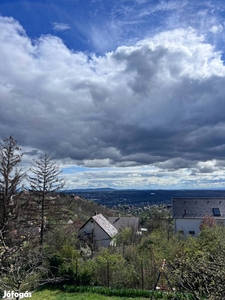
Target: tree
[
  {"x": 11, "y": 178},
  {"x": 200, "y": 267},
  {"x": 112, "y": 270},
  {"x": 21, "y": 269},
  {"x": 44, "y": 184},
  {"x": 127, "y": 236},
  {"x": 17, "y": 260},
  {"x": 159, "y": 217},
  {"x": 208, "y": 221},
  {"x": 10, "y": 198},
  {"x": 202, "y": 275}
]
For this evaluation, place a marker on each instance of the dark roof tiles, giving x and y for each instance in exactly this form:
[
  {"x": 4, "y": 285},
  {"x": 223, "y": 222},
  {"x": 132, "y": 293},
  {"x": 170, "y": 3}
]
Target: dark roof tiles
[
  {"x": 123, "y": 222},
  {"x": 198, "y": 207}
]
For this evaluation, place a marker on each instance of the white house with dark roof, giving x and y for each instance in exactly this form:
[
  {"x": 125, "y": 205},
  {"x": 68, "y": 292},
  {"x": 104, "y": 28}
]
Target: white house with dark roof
[
  {"x": 98, "y": 230},
  {"x": 188, "y": 213}
]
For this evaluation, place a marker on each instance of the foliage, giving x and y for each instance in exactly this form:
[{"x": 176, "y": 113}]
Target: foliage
[
  {"x": 67, "y": 292},
  {"x": 157, "y": 217},
  {"x": 200, "y": 268},
  {"x": 66, "y": 266},
  {"x": 127, "y": 237},
  {"x": 131, "y": 293},
  {"x": 113, "y": 270},
  {"x": 208, "y": 221}
]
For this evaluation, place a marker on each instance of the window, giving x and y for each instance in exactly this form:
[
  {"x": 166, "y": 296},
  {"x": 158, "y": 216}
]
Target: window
[
  {"x": 216, "y": 211},
  {"x": 192, "y": 232}
]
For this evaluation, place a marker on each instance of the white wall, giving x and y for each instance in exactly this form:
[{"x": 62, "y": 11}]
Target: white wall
[
  {"x": 187, "y": 225},
  {"x": 101, "y": 238}
]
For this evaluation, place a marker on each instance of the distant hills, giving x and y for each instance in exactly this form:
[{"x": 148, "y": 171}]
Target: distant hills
[
  {"x": 110, "y": 197},
  {"x": 90, "y": 190}
]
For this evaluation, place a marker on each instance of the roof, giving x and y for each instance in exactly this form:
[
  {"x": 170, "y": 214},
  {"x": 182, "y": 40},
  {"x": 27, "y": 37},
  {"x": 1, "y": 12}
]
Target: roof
[
  {"x": 123, "y": 222},
  {"x": 104, "y": 224},
  {"x": 198, "y": 207}
]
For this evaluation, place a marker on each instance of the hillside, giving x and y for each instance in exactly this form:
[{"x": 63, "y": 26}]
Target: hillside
[{"x": 82, "y": 209}]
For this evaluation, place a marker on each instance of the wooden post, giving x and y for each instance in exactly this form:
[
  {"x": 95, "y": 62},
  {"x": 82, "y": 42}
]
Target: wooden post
[
  {"x": 142, "y": 275},
  {"x": 108, "y": 273}
]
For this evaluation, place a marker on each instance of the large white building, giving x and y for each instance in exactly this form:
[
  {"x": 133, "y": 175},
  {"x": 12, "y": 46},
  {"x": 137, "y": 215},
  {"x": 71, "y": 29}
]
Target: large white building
[{"x": 188, "y": 213}]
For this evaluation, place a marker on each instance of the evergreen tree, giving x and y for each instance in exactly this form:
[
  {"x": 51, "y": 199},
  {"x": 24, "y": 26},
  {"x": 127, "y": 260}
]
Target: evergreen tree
[{"x": 44, "y": 184}]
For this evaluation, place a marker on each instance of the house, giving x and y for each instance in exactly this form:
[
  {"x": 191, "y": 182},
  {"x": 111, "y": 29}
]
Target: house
[
  {"x": 188, "y": 213},
  {"x": 98, "y": 231},
  {"x": 123, "y": 222}
]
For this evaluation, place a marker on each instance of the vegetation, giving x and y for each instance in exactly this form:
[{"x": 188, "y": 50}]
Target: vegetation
[
  {"x": 200, "y": 267},
  {"x": 10, "y": 179},
  {"x": 60, "y": 295},
  {"x": 44, "y": 182},
  {"x": 80, "y": 292},
  {"x": 19, "y": 261}
]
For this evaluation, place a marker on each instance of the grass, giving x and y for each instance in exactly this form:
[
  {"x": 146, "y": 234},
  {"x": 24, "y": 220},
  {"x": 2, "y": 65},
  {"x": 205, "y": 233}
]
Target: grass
[
  {"x": 97, "y": 293},
  {"x": 59, "y": 295}
]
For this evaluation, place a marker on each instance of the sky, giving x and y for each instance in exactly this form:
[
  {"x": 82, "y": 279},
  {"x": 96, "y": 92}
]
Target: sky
[{"x": 120, "y": 93}]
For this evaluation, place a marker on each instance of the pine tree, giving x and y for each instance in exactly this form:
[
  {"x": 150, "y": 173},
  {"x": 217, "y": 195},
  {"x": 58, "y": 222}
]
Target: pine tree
[{"x": 44, "y": 183}]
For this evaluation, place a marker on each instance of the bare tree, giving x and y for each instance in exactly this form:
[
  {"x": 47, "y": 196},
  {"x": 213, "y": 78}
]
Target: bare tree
[
  {"x": 207, "y": 222},
  {"x": 21, "y": 269},
  {"x": 11, "y": 178},
  {"x": 44, "y": 184},
  {"x": 14, "y": 233},
  {"x": 21, "y": 261}
]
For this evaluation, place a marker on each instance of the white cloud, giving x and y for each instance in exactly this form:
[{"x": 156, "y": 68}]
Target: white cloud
[
  {"x": 147, "y": 177},
  {"x": 216, "y": 29},
  {"x": 60, "y": 26}
]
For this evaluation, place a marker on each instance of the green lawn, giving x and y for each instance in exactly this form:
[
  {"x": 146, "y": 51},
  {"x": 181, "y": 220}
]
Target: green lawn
[{"x": 59, "y": 295}]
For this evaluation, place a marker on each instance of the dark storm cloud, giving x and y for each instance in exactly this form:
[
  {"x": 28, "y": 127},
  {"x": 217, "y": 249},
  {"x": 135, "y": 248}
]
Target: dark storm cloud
[
  {"x": 159, "y": 102},
  {"x": 32, "y": 152},
  {"x": 176, "y": 163}
]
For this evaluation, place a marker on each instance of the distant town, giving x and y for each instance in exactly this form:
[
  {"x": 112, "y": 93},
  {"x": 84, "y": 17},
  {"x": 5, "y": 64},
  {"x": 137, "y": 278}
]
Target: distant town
[{"x": 114, "y": 198}]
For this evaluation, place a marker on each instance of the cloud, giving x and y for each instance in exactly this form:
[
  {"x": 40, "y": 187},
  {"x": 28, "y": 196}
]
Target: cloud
[
  {"x": 157, "y": 102},
  {"x": 60, "y": 26},
  {"x": 216, "y": 29},
  {"x": 176, "y": 163}
]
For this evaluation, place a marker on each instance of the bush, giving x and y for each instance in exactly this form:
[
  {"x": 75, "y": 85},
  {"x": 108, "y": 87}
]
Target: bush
[{"x": 131, "y": 293}]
